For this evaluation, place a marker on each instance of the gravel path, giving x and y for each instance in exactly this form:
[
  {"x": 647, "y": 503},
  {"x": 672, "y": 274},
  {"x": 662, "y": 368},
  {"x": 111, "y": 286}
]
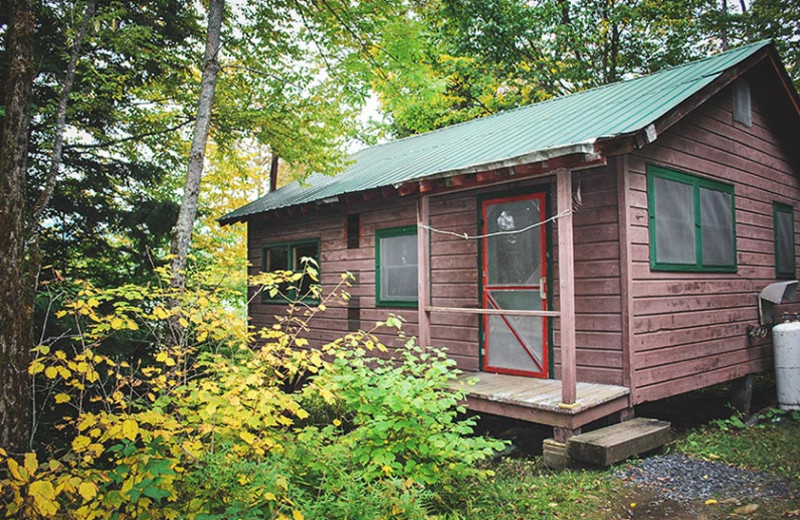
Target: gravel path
[{"x": 677, "y": 477}]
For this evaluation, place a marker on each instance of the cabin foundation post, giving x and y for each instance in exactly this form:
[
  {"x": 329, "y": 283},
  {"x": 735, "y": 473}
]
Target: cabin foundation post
[
  {"x": 566, "y": 284},
  {"x": 742, "y": 394},
  {"x": 423, "y": 271}
]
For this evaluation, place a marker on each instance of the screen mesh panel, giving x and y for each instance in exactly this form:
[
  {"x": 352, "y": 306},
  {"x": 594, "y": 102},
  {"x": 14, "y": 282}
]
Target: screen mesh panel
[
  {"x": 716, "y": 218},
  {"x": 674, "y": 215},
  {"x": 398, "y": 267}
]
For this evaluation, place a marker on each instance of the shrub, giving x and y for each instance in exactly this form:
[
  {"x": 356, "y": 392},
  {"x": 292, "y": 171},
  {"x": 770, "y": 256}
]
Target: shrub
[{"x": 213, "y": 428}]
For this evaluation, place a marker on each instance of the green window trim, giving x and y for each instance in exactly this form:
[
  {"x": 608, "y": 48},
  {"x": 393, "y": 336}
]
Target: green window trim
[
  {"x": 292, "y": 264},
  {"x": 392, "y": 302},
  {"x": 777, "y": 208},
  {"x": 696, "y": 183}
]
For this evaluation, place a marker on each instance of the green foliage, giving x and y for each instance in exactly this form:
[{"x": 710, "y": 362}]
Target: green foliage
[
  {"x": 215, "y": 429},
  {"x": 770, "y": 445}
]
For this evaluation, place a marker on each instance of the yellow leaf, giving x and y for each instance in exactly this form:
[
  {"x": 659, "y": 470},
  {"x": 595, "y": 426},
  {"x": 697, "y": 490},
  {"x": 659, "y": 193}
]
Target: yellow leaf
[
  {"x": 87, "y": 490},
  {"x": 132, "y": 325},
  {"x": 270, "y": 496},
  {"x": 161, "y": 357},
  {"x": 183, "y": 322},
  {"x": 44, "y": 497},
  {"x": 93, "y": 302},
  {"x": 61, "y": 355},
  {"x": 117, "y": 323},
  {"x": 297, "y": 515},
  {"x": 87, "y": 422},
  {"x": 51, "y": 372},
  {"x": 337, "y": 422},
  {"x": 130, "y": 429},
  {"x": 31, "y": 463},
  {"x": 169, "y": 362},
  {"x": 710, "y": 502},
  {"x": 80, "y": 443},
  {"x": 62, "y": 398},
  {"x": 247, "y": 437},
  {"x": 13, "y": 468},
  {"x": 36, "y": 367},
  {"x": 3, "y": 453}
]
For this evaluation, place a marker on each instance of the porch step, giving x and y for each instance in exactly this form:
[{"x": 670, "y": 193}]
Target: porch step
[{"x": 612, "y": 444}]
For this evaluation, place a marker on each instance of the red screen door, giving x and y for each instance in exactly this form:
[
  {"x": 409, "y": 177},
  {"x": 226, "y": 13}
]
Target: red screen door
[{"x": 513, "y": 276}]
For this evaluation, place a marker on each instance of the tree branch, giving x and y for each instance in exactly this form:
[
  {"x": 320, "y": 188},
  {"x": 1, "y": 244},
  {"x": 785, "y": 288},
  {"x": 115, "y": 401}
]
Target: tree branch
[{"x": 113, "y": 142}]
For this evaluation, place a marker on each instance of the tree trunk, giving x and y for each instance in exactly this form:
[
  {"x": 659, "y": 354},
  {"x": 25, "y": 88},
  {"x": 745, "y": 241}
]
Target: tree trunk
[
  {"x": 16, "y": 284},
  {"x": 61, "y": 120},
  {"x": 182, "y": 232},
  {"x": 723, "y": 31}
]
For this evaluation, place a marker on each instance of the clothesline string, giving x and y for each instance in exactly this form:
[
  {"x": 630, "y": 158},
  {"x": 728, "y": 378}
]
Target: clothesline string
[{"x": 466, "y": 236}]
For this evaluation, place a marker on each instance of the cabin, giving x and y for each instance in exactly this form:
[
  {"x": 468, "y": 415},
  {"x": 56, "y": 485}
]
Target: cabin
[{"x": 579, "y": 256}]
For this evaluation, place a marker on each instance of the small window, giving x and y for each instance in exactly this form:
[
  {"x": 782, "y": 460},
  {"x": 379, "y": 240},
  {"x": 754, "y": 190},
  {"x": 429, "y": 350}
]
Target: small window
[
  {"x": 289, "y": 256},
  {"x": 742, "y": 110},
  {"x": 396, "y": 266},
  {"x": 692, "y": 222},
  {"x": 783, "y": 216},
  {"x": 353, "y": 230}
]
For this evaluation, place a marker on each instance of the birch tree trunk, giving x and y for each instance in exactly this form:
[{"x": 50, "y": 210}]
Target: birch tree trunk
[
  {"x": 182, "y": 232},
  {"x": 16, "y": 284}
]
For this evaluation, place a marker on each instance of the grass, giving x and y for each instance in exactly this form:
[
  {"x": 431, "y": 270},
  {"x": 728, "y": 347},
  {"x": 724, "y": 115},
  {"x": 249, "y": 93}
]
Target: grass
[
  {"x": 524, "y": 488},
  {"x": 772, "y": 445}
]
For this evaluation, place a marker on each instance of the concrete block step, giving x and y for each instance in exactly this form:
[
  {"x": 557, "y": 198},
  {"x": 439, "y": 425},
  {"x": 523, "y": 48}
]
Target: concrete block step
[{"x": 614, "y": 443}]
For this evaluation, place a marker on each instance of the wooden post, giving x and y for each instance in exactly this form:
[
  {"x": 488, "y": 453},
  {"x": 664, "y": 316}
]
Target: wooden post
[
  {"x": 423, "y": 271},
  {"x": 566, "y": 284}
]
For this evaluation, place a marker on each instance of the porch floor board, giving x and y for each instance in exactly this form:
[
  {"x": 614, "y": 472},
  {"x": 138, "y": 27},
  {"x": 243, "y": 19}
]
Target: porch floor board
[{"x": 537, "y": 400}]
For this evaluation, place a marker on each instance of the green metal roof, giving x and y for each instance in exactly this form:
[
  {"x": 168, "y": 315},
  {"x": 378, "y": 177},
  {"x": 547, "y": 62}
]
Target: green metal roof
[{"x": 560, "y": 126}]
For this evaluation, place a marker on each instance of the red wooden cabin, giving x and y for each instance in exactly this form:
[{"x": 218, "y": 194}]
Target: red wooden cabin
[{"x": 580, "y": 256}]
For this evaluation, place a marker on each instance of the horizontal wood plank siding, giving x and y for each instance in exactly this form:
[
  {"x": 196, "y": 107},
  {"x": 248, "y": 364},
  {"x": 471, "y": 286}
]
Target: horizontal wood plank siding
[
  {"x": 690, "y": 329},
  {"x": 329, "y": 225},
  {"x": 598, "y": 292}
]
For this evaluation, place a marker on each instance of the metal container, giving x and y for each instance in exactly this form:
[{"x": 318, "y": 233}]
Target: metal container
[{"x": 786, "y": 344}]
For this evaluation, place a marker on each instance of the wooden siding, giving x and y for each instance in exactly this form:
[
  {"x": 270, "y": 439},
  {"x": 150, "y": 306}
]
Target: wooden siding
[
  {"x": 689, "y": 330},
  {"x": 329, "y": 225},
  {"x": 598, "y": 291},
  {"x": 455, "y": 276}
]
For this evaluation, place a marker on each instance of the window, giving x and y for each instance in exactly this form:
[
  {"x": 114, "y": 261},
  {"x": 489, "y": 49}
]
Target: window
[
  {"x": 288, "y": 256},
  {"x": 783, "y": 216},
  {"x": 742, "y": 110},
  {"x": 396, "y": 266},
  {"x": 692, "y": 222}
]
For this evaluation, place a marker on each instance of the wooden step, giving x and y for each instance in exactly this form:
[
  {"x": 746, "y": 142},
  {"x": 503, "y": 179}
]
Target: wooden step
[{"x": 612, "y": 444}]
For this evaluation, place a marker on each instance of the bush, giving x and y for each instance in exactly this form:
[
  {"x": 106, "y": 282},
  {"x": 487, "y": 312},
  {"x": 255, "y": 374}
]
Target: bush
[{"x": 215, "y": 429}]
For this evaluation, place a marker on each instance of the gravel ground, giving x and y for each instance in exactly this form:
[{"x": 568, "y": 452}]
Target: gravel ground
[{"x": 678, "y": 478}]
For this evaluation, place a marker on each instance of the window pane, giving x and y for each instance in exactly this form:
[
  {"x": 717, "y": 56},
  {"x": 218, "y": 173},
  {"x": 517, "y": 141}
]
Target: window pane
[
  {"x": 515, "y": 258},
  {"x": 299, "y": 252},
  {"x": 674, "y": 215},
  {"x": 398, "y": 266},
  {"x": 277, "y": 259},
  {"x": 304, "y": 251},
  {"x": 716, "y": 218},
  {"x": 784, "y": 249}
]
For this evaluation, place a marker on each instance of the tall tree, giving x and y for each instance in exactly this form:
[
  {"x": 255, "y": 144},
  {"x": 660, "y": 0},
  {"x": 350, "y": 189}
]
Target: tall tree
[
  {"x": 16, "y": 285},
  {"x": 182, "y": 233}
]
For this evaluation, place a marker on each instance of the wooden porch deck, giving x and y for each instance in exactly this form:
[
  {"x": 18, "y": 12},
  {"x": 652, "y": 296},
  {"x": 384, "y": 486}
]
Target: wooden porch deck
[{"x": 539, "y": 400}]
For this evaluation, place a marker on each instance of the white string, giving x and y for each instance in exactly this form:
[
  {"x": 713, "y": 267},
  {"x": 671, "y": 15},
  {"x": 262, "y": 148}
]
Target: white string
[{"x": 466, "y": 236}]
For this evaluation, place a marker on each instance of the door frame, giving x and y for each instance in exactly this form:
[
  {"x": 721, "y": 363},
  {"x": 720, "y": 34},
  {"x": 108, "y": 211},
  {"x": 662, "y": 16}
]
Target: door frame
[{"x": 547, "y": 333}]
